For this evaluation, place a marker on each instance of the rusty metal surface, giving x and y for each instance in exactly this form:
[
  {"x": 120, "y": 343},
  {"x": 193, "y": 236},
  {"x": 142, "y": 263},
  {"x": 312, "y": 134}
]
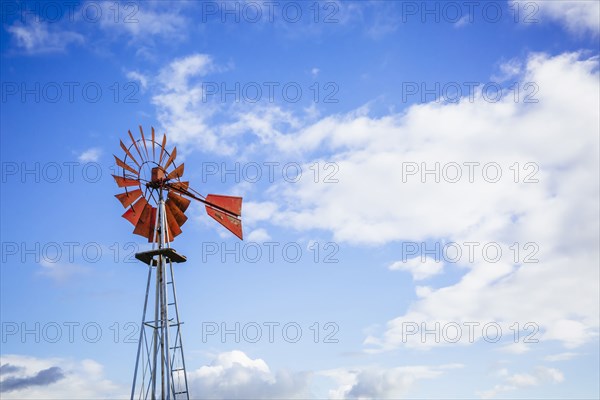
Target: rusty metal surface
[
  {"x": 174, "y": 226},
  {"x": 126, "y": 150},
  {"x": 175, "y": 211},
  {"x": 233, "y": 204},
  {"x": 234, "y": 225},
  {"x": 153, "y": 212},
  {"x": 180, "y": 186},
  {"x": 128, "y": 198},
  {"x": 162, "y": 149},
  {"x": 176, "y": 173},
  {"x": 158, "y": 174},
  {"x": 181, "y": 202},
  {"x": 123, "y": 165},
  {"x": 153, "y": 146},
  {"x": 134, "y": 212},
  {"x": 171, "y": 158},
  {"x": 126, "y": 182},
  {"x": 144, "y": 142},
  {"x": 145, "y": 224},
  {"x": 136, "y": 146}
]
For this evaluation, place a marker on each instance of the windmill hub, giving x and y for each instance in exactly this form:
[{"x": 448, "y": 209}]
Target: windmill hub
[{"x": 158, "y": 178}]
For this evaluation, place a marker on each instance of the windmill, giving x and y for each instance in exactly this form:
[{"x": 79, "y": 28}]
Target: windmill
[{"x": 156, "y": 199}]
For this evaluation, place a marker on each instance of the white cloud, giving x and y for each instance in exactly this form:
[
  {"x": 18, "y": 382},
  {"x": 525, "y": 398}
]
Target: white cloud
[
  {"x": 231, "y": 375},
  {"x": 509, "y": 69},
  {"x": 370, "y": 153},
  {"x": 259, "y": 211},
  {"x": 572, "y": 332},
  {"x": 463, "y": 21},
  {"x": 181, "y": 107},
  {"x": 265, "y": 122},
  {"x": 187, "y": 107},
  {"x": 521, "y": 380},
  {"x": 378, "y": 383},
  {"x": 560, "y": 356},
  {"x": 552, "y": 375},
  {"x": 90, "y": 155},
  {"x": 558, "y": 134},
  {"x": 177, "y": 75},
  {"x": 42, "y": 38},
  {"x": 70, "y": 379},
  {"x": 541, "y": 375},
  {"x": 137, "y": 76},
  {"x": 141, "y": 22},
  {"x": 61, "y": 272},
  {"x": 234, "y": 375},
  {"x": 516, "y": 348},
  {"x": 579, "y": 16},
  {"x": 259, "y": 235},
  {"x": 418, "y": 268},
  {"x": 423, "y": 291}
]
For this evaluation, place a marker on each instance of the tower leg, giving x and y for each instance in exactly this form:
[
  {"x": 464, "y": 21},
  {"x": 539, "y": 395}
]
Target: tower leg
[
  {"x": 178, "y": 371},
  {"x": 142, "y": 338}
]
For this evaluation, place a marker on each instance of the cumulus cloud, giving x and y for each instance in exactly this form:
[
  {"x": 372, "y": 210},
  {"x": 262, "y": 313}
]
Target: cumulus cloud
[
  {"x": 231, "y": 375},
  {"x": 418, "y": 268},
  {"x": 7, "y": 368},
  {"x": 234, "y": 375},
  {"x": 259, "y": 235},
  {"x": 560, "y": 356},
  {"x": 556, "y": 135},
  {"x": 508, "y": 69},
  {"x": 541, "y": 375},
  {"x": 380, "y": 383},
  {"x": 44, "y": 377},
  {"x": 26, "y": 377},
  {"x": 516, "y": 348},
  {"x": 177, "y": 75},
  {"x": 90, "y": 155},
  {"x": 371, "y": 153},
  {"x": 139, "y": 77},
  {"x": 259, "y": 211},
  {"x": 181, "y": 105},
  {"x": 189, "y": 105},
  {"x": 578, "y": 16}
]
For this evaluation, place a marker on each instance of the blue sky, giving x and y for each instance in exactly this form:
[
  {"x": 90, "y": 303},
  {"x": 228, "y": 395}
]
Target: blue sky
[{"x": 420, "y": 129}]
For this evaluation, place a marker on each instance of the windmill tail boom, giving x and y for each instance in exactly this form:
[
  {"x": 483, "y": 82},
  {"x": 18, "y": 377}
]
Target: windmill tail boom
[{"x": 227, "y": 211}]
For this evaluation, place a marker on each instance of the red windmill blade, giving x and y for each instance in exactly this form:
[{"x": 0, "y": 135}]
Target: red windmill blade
[{"x": 149, "y": 177}]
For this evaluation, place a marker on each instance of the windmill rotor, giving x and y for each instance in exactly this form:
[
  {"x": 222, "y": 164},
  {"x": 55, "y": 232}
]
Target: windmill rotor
[{"x": 148, "y": 170}]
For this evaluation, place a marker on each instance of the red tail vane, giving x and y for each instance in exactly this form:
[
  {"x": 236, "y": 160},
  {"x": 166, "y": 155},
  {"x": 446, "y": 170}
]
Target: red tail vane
[
  {"x": 231, "y": 204},
  {"x": 234, "y": 225}
]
